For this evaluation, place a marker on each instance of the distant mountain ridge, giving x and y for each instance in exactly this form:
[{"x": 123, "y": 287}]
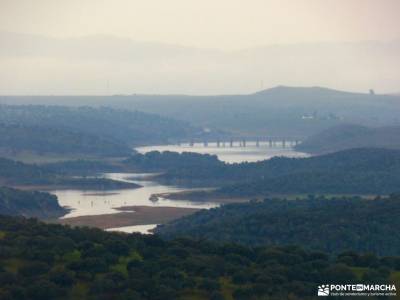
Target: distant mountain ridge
[
  {"x": 312, "y": 90},
  {"x": 280, "y": 111}
]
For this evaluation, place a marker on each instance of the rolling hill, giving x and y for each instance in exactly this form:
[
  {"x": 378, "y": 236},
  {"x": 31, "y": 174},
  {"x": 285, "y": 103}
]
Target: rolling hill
[
  {"x": 112, "y": 125},
  {"x": 23, "y": 139},
  {"x": 354, "y": 171},
  {"x": 17, "y": 174},
  {"x": 318, "y": 223},
  {"x": 29, "y": 204},
  {"x": 351, "y": 136}
]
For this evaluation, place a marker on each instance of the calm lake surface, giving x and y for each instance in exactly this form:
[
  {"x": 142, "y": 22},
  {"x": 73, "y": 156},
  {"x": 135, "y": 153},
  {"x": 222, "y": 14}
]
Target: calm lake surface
[
  {"x": 235, "y": 154},
  {"x": 145, "y": 229},
  {"x": 84, "y": 203},
  {"x": 88, "y": 203}
]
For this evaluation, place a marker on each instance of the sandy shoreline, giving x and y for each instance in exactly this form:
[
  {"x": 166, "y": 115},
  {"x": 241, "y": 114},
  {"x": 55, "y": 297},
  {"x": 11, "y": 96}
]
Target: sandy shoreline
[
  {"x": 203, "y": 196},
  {"x": 130, "y": 216},
  {"x": 61, "y": 187}
]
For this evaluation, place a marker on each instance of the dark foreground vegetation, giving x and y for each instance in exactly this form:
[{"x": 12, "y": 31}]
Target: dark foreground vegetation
[
  {"x": 351, "y": 136},
  {"x": 317, "y": 223},
  {"x": 40, "y": 262},
  {"x": 354, "y": 171},
  {"x": 29, "y": 204}
]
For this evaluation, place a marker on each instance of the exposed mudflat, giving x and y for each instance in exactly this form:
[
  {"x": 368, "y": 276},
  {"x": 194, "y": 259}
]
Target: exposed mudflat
[{"x": 129, "y": 216}]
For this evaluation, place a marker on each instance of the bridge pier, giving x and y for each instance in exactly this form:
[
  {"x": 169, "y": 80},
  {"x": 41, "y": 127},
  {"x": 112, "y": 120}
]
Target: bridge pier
[{"x": 270, "y": 142}]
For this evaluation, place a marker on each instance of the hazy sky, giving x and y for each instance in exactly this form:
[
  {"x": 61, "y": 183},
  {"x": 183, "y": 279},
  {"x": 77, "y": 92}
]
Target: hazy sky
[
  {"x": 70, "y": 46},
  {"x": 224, "y": 24}
]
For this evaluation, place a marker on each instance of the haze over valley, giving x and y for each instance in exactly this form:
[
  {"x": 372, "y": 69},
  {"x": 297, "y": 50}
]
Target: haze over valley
[
  {"x": 208, "y": 150},
  {"x": 101, "y": 64}
]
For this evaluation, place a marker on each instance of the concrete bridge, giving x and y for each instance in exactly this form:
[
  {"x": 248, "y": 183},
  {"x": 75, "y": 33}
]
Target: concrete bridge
[{"x": 242, "y": 142}]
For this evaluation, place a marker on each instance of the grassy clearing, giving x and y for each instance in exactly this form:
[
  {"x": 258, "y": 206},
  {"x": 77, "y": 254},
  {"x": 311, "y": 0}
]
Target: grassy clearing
[
  {"x": 122, "y": 264},
  {"x": 13, "y": 265},
  {"x": 79, "y": 291},
  {"x": 395, "y": 278},
  {"x": 359, "y": 272},
  {"x": 226, "y": 288},
  {"x": 194, "y": 295}
]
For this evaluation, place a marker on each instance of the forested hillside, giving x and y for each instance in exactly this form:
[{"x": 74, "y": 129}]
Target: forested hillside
[
  {"x": 317, "y": 223},
  {"x": 17, "y": 139},
  {"x": 171, "y": 161},
  {"x": 351, "y": 136},
  {"x": 365, "y": 171},
  {"x": 14, "y": 173},
  {"x": 39, "y": 262},
  {"x": 129, "y": 127},
  {"x": 29, "y": 204},
  {"x": 82, "y": 167}
]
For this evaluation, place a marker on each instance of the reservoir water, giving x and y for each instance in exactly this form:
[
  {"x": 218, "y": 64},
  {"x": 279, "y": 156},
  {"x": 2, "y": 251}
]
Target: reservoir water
[
  {"x": 84, "y": 203},
  {"x": 235, "y": 154},
  {"x": 87, "y": 203}
]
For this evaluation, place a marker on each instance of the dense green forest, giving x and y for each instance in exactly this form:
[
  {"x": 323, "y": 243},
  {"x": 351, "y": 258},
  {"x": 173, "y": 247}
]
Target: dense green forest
[
  {"x": 16, "y": 139},
  {"x": 113, "y": 125},
  {"x": 29, "y": 204},
  {"x": 322, "y": 182},
  {"x": 14, "y": 173},
  {"x": 364, "y": 171},
  {"x": 317, "y": 223},
  {"x": 42, "y": 262},
  {"x": 351, "y": 136}
]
